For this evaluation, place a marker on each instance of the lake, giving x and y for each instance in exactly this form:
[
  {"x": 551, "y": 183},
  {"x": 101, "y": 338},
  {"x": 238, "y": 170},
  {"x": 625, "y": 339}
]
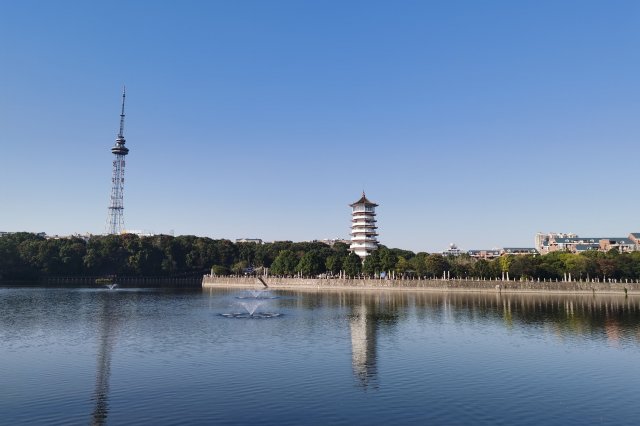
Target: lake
[{"x": 145, "y": 356}]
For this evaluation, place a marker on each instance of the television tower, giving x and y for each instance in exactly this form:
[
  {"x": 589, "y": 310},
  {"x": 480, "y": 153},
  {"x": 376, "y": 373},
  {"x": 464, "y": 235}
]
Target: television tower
[{"x": 115, "y": 221}]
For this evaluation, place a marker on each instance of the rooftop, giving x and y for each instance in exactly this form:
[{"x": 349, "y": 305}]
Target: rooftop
[
  {"x": 520, "y": 250},
  {"x": 364, "y": 200}
]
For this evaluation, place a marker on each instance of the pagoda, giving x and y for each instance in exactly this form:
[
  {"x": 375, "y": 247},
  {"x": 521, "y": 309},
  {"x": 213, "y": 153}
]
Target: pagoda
[{"x": 363, "y": 227}]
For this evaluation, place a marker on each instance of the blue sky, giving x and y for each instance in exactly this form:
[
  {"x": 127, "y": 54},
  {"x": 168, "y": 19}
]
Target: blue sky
[{"x": 479, "y": 123}]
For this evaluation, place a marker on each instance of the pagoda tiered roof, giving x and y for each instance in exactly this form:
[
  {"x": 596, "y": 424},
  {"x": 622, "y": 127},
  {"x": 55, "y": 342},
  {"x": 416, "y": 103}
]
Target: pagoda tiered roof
[{"x": 364, "y": 200}]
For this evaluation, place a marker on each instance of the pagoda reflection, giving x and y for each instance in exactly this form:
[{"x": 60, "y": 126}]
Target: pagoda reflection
[{"x": 369, "y": 313}]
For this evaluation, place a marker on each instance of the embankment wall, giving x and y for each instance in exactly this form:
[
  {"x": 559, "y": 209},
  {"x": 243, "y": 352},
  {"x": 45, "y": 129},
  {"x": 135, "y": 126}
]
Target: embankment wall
[
  {"x": 429, "y": 284},
  {"x": 122, "y": 281}
]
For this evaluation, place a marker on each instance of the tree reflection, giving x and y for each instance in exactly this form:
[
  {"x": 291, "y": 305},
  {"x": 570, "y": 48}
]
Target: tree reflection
[{"x": 611, "y": 318}]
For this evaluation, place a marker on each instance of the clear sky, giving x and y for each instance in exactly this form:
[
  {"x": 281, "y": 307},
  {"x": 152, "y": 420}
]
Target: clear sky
[{"x": 474, "y": 122}]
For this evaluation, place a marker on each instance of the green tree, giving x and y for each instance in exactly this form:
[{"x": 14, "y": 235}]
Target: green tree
[
  {"x": 578, "y": 266},
  {"x": 71, "y": 253},
  {"x": 505, "y": 262},
  {"x": 18, "y": 256},
  {"x": 435, "y": 265},
  {"x": 106, "y": 255},
  {"x": 352, "y": 265},
  {"x": 407, "y": 254},
  {"x": 482, "y": 269},
  {"x": 635, "y": 264},
  {"x": 285, "y": 263},
  {"x": 388, "y": 259},
  {"x": 226, "y": 253},
  {"x": 372, "y": 263},
  {"x": 247, "y": 252},
  {"x": 419, "y": 264},
  {"x": 402, "y": 265},
  {"x": 148, "y": 260},
  {"x": 341, "y": 249},
  {"x": 239, "y": 267},
  {"x": 551, "y": 266},
  {"x": 460, "y": 266},
  {"x": 334, "y": 263},
  {"x": 310, "y": 264},
  {"x": 523, "y": 266},
  {"x": 25, "y": 256},
  {"x": 607, "y": 267},
  {"x": 219, "y": 270}
]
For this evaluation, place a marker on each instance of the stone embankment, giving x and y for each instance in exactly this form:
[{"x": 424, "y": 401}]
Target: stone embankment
[
  {"x": 122, "y": 281},
  {"x": 209, "y": 281}
]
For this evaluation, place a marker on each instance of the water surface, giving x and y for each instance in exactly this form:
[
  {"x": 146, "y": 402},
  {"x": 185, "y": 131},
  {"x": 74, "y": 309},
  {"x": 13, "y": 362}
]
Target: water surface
[{"x": 78, "y": 356}]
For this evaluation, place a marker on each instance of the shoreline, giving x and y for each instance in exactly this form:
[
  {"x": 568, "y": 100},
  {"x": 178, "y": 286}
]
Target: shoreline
[{"x": 438, "y": 286}]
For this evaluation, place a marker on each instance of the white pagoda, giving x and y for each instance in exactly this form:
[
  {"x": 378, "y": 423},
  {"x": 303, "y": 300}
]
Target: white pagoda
[{"x": 363, "y": 227}]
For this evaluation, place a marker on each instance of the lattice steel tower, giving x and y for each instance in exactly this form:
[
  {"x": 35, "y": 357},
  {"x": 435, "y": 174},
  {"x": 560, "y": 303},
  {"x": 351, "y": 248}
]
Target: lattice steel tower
[{"x": 115, "y": 221}]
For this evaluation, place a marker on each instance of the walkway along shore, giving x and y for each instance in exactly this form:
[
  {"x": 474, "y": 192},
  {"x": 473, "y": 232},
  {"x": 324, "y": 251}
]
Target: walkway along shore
[{"x": 209, "y": 281}]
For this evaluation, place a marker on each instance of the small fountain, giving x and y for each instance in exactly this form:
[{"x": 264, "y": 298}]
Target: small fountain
[
  {"x": 250, "y": 303},
  {"x": 257, "y": 295},
  {"x": 111, "y": 286}
]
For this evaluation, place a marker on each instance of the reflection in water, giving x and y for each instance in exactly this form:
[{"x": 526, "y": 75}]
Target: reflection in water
[
  {"x": 612, "y": 318},
  {"x": 368, "y": 313},
  {"x": 363, "y": 345},
  {"x": 107, "y": 323},
  {"x": 410, "y": 358}
]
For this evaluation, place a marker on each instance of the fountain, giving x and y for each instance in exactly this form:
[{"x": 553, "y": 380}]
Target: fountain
[
  {"x": 250, "y": 303},
  {"x": 257, "y": 294},
  {"x": 111, "y": 286}
]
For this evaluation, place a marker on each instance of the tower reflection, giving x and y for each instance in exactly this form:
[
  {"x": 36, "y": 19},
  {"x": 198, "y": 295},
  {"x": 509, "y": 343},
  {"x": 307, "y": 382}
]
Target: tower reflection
[
  {"x": 107, "y": 322},
  {"x": 368, "y": 314}
]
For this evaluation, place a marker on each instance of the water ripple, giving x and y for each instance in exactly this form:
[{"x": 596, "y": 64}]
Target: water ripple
[{"x": 156, "y": 357}]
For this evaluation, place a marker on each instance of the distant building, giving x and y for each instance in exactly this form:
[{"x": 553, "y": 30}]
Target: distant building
[
  {"x": 331, "y": 241},
  {"x": 575, "y": 244},
  {"x": 518, "y": 251},
  {"x": 139, "y": 232},
  {"x": 572, "y": 243},
  {"x": 86, "y": 237},
  {"x": 486, "y": 254},
  {"x": 623, "y": 245},
  {"x": 363, "y": 227},
  {"x": 249, "y": 240},
  {"x": 39, "y": 234},
  {"x": 542, "y": 240},
  {"x": 497, "y": 252},
  {"x": 453, "y": 250}
]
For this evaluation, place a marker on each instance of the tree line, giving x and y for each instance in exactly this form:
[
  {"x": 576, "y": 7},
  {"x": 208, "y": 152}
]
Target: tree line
[{"x": 26, "y": 256}]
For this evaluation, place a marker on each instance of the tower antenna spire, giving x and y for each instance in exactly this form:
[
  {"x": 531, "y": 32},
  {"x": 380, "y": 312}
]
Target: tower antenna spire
[
  {"x": 121, "y": 132},
  {"x": 115, "y": 219}
]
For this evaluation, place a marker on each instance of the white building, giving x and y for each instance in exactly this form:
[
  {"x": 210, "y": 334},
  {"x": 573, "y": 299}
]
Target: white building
[
  {"x": 363, "y": 227},
  {"x": 249, "y": 240},
  {"x": 453, "y": 250}
]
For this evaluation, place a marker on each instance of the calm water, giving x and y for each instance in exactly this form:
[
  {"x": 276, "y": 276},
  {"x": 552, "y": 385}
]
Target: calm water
[{"x": 74, "y": 356}]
